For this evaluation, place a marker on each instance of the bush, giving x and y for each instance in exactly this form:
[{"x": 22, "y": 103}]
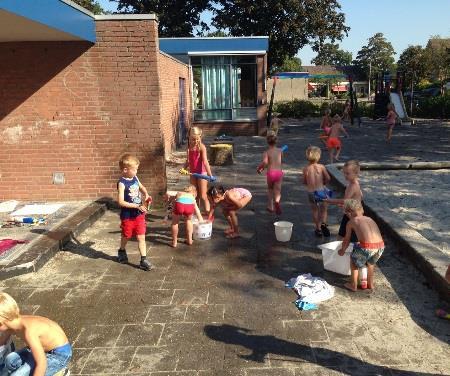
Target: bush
[
  {"x": 366, "y": 109},
  {"x": 434, "y": 107},
  {"x": 297, "y": 109}
]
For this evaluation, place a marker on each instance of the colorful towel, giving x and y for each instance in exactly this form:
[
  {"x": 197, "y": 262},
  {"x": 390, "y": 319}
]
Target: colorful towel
[{"x": 6, "y": 244}]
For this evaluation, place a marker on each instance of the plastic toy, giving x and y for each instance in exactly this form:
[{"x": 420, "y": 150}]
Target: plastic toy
[{"x": 211, "y": 179}]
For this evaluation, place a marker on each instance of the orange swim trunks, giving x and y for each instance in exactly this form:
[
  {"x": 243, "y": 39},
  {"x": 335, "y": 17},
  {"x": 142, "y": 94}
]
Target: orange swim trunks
[{"x": 333, "y": 143}]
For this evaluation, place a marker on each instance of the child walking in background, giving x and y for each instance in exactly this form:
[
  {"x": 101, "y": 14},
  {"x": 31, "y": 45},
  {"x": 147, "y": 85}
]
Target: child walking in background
[
  {"x": 272, "y": 159},
  {"x": 185, "y": 205},
  {"x": 352, "y": 191},
  {"x": 315, "y": 177},
  {"x": 197, "y": 161},
  {"x": 333, "y": 142},
  {"x": 368, "y": 249},
  {"x": 390, "y": 120},
  {"x": 325, "y": 125},
  {"x": 232, "y": 201},
  {"x": 132, "y": 210},
  {"x": 48, "y": 350}
]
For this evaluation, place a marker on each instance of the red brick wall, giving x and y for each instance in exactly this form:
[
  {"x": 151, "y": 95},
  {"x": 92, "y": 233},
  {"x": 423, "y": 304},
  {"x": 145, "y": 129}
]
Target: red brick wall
[
  {"x": 170, "y": 71},
  {"x": 74, "y": 107}
]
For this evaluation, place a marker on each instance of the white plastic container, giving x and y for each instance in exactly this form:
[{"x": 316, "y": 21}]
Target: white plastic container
[
  {"x": 331, "y": 259},
  {"x": 202, "y": 230},
  {"x": 283, "y": 230}
]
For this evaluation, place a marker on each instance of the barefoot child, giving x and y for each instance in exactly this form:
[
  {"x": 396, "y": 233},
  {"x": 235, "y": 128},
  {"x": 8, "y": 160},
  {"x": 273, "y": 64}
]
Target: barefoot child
[
  {"x": 132, "y": 210},
  {"x": 272, "y": 159},
  {"x": 48, "y": 350},
  {"x": 185, "y": 205},
  {"x": 325, "y": 125},
  {"x": 352, "y": 191},
  {"x": 333, "y": 142},
  {"x": 315, "y": 177},
  {"x": 390, "y": 120},
  {"x": 197, "y": 161},
  {"x": 232, "y": 201},
  {"x": 368, "y": 249}
]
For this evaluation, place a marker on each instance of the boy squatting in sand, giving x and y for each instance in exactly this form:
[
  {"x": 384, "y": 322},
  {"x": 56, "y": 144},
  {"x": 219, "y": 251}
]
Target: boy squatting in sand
[
  {"x": 368, "y": 249},
  {"x": 48, "y": 350},
  {"x": 315, "y": 177}
]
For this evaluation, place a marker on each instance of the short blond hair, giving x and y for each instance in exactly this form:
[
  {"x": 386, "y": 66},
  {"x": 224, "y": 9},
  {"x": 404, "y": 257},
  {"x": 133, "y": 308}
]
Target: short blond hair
[
  {"x": 354, "y": 165},
  {"x": 9, "y": 310},
  {"x": 351, "y": 205},
  {"x": 191, "y": 189},
  {"x": 128, "y": 160},
  {"x": 313, "y": 154}
]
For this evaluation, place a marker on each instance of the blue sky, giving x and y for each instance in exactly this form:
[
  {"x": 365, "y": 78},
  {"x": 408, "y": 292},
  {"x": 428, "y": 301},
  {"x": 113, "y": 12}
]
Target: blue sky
[{"x": 403, "y": 22}]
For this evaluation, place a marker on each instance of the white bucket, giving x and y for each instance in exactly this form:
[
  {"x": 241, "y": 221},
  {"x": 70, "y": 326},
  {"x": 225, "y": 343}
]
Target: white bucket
[
  {"x": 283, "y": 230},
  {"x": 202, "y": 230},
  {"x": 331, "y": 259}
]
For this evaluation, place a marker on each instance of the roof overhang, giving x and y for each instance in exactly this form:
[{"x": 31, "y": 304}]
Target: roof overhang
[{"x": 45, "y": 20}]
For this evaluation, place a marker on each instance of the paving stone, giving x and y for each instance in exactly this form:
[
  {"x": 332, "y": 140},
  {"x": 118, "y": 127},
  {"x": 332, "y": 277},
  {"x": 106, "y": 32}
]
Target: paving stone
[
  {"x": 165, "y": 313},
  {"x": 98, "y": 336},
  {"x": 140, "y": 335},
  {"x": 150, "y": 359},
  {"x": 109, "y": 360}
]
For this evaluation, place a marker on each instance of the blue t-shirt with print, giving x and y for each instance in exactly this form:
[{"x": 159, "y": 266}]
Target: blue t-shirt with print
[{"x": 132, "y": 194}]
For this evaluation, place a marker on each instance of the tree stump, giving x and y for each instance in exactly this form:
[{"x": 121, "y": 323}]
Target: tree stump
[{"x": 220, "y": 154}]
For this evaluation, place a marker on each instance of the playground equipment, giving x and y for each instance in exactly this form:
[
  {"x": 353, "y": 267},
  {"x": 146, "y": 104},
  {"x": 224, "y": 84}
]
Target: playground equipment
[{"x": 388, "y": 89}]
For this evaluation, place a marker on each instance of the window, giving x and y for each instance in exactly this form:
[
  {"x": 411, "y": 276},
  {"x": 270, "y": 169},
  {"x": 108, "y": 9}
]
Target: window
[{"x": 224, "y": 87}]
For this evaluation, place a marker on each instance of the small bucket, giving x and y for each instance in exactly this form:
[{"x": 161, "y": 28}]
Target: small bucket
[
  {"x": 202, "y": 230},
  {"x": 283, "y": 230}
]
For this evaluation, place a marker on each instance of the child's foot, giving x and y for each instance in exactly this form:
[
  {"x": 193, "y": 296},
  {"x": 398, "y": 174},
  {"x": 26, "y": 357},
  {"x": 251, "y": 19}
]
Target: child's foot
[
  {"x": 189, "y": 242},
  {"x": 122, "y": 256},
  {"x": 318, "y": 233},
  {"x": 443, "y": 314},
  {"x": 270, "y": 210},
  {"x": 277, "y": 208},
  {"x": 325, "y": 230},
  {"x": 228, "y": 231},
  {"x": 350, "y": 287},
  {"x": 145, "y": 265},
  {"x": 233, "y": 235},
  {"x": 174, "y": 245}
]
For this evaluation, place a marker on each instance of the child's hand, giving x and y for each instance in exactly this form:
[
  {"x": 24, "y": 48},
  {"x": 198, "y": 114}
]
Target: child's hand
[
  {"x": 341, "y": 252},
  {"x": 142, "y": 208}
]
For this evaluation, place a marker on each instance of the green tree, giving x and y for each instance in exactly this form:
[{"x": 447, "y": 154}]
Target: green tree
[
  {"x": 437, "y": 55},
  {"x": 330, "y": 54},
  {"x": 290, "y": 24},
  {"x": 290, "y": 64},
  {"x": 378, "y": 53},
  {"x": 91, "y": 5},
  {"x": 177, "y": 18},
  {"x": 412, "y": 62}
]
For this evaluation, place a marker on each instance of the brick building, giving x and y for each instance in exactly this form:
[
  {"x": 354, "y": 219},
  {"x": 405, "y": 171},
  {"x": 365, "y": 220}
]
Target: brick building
[{"x": 76, "y": 92}]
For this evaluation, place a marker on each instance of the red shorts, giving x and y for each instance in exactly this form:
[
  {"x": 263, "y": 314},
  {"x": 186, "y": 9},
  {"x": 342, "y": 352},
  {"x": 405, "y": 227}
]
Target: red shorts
[
  {"x": 333, "y": 143},
  {"x": 183, "y": 209},
  {"x": 133, "y": 226}
]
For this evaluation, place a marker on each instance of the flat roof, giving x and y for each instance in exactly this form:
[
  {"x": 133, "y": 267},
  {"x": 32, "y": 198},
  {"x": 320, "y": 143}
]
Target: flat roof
[
  {"x": 215, "y": 45},
  {"x": 45, "y": 20}
]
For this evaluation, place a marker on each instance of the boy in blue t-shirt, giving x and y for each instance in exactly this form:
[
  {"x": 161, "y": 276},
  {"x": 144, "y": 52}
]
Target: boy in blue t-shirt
[{"x": 133, "y": 209}]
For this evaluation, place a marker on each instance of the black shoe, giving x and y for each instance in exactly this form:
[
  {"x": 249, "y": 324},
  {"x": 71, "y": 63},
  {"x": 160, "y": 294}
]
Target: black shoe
[
  {"x": 325, "y": 230},
  {"x": 145, "y": 265},
  {"x": 122, "y": 256},
  {"x": 318, "y": 233}
]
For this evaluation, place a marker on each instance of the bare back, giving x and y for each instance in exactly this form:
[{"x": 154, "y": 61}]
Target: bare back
[
  {"x": 315, "y": 176},
  {"x": 366, "y": 229},
  {"x": 336, "y": 130},
  {"x": 274, "y": 158},
  {"x": 50, "y": 334}
]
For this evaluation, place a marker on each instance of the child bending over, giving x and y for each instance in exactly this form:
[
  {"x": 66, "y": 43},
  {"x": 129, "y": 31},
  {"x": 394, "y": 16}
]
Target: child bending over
[
  {"x": 48, "y": 350},
  {"x": 232, "y": 201},
  {"x": 315, "y": 177},
  {"x": 352, "y": 191},
  {"x": 272, "y": 159},
  {"x": 368, "y": 249},
  {"x": 132, "y": 210},
  {"x": 333, "y": 142},
  {"x": 185, "y": 205}
]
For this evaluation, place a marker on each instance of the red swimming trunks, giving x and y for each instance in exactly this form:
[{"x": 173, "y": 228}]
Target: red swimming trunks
[
  {"x": 333, "y": 143},
  {"x": 133, "y": 226}
]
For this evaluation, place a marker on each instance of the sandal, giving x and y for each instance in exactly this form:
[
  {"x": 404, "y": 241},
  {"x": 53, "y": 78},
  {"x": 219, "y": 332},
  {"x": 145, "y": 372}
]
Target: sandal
[{"x": 318, "y": 232}]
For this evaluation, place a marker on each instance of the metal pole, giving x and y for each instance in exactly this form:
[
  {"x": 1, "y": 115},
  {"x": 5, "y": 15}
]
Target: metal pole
[
  {"x": 412, "y": 93},
  {"x": 370, "y": 74}
]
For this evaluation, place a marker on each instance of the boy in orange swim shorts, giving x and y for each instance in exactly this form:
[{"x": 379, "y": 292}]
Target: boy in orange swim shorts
[{"x": 333, "y": 142}]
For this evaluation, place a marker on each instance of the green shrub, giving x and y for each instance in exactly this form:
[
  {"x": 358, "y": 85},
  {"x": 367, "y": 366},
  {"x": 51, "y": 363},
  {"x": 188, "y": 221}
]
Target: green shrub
[
  {"x": 434, "y": 107},
  {"x": 366, "y": 109},
  {"x": 297, "y": 109}
]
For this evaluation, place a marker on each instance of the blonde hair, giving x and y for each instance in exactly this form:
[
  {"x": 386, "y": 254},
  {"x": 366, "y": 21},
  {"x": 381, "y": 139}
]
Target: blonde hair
[
  {"x": 351, "y": 205},
  {"x": 9, "y": 310},
  {"x": 128, "y": 160},
  {"x": 191, "y": 189},
  {"x": 336, "y": 119},
  {"x": 196, "y": 134},
  {"x": 271, "y": 138},
  {"x": 354, "y": 165},
  {"x": 313, "y": 154}
]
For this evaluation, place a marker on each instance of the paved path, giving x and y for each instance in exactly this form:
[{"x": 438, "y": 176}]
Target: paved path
[{"x": 220, "y": 307}]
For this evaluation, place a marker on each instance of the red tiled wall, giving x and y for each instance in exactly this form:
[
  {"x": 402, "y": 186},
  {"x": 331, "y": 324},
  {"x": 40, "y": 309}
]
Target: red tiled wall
[
  {"x": 171, "y": 70},
  {"x": 74, "y": 107}
]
